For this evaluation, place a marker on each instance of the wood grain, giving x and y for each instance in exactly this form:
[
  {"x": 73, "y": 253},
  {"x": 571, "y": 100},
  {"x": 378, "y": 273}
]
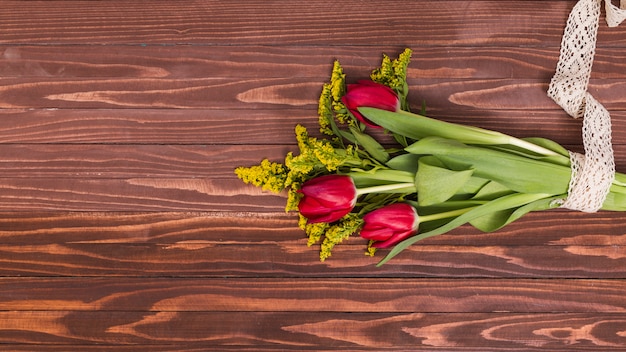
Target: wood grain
[
  {"x": 271, "y": 245},
  {"x": 194, "y": 61},
  {"x": 266, "y": 93},
  {"x": 480, "y": 23},
  {"x": 254, "y": 127},
  {"x": 312, "y": 295},
  {"x": 302, "y": 331},
  {"x": 38, "y": 163},
  {"x": 124, "y": 228},
  {"x": 555, "y": 227},
  {"x": 210, "y": 259},
  {"x": 158, "y": 311}
]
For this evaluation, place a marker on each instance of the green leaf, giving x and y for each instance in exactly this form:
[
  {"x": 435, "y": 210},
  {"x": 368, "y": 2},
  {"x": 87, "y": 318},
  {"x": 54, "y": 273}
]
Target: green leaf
[
  {"x": 492, "y": 190},
  {"x": 344, "y": 134},
  {"x": 472, "y": 186},
  {"x": 402, "y": 140},
  {"x": 371, "y": 146},
  {"x": 615, "y": 201},
  {"x": 515, "y": 150},
  {"x": 492, "y": 221},
  {"x": 445, "y": 206},
  {"x": 405, "y": 162},
  {"x": 507, "y": 202},
  {"x": 520, "y": 174},
  {"x": 417, "y": 126},
  {"x": 498, "y": 219},
  {"x": 435, "y": 183}
]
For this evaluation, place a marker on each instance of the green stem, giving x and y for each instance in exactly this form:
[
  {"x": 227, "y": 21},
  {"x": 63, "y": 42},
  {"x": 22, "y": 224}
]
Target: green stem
[
  {"x": 531, "y": 147},
  {"x": 390, "y": 175},
  {"x": 385, "y": 188},
  {"x": 445, "y": 214}
]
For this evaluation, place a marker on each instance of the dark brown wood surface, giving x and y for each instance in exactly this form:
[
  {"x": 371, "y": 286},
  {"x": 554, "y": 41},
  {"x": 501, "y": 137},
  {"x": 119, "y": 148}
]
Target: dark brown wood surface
[{"x": 124, "y": 228}]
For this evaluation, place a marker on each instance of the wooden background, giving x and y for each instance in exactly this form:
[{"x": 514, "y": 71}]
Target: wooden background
[{"x": 124, "y": 228}]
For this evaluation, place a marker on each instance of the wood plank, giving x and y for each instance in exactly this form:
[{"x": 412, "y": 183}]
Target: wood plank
[
  {"x": 158, "y": 162},
  {"x": 272, "y": 93},
  {"x": 325, "y": 295},
  {"x": 96, "y": 161},
  {"x": 479, "y": 23},
  {"x": 252, "y": 127},
  {"x": 153, "y": 126},
  {"x": 184, "y": 61},
  {"x": 574, "y": 245},
  {"x": 314, "y": 331},
  {"x": 137, "y": 194},
  {"x": 197, "y": 257},
  {"x": 548, "y": 228}
]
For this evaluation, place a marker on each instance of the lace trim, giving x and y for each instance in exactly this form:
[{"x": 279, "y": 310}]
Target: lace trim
[{"x": 593, "y": 172}]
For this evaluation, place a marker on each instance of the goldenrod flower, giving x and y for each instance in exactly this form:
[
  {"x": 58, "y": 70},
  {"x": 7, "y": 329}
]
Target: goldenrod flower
[
  {"x": 270, "y": 176},
  {"x": 338, "y": 232}
]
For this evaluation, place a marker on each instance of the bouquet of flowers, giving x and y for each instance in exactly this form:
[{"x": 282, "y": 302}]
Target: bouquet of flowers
[{"x": 435, "y": 177}]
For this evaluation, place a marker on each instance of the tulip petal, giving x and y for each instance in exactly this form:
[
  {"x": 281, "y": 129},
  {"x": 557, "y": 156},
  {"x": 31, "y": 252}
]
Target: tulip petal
[
  {"x": 394, "y": 240},
  {"x": 327, "y": 198},
  {"x": 390, "y": 224},
  {"x": 380, "y": 234},
  {"x": 369, "y": 94}
]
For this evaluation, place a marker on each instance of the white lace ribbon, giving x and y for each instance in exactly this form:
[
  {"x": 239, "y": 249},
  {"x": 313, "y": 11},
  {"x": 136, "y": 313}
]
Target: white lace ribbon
[{"x": 593, "y": 172}]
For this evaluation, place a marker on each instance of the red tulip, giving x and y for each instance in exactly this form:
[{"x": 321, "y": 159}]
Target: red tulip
[
  {"x": 327, "y": 198},
  {"x": 390, "y": 224},
  {"x": 370, "y": 94}
]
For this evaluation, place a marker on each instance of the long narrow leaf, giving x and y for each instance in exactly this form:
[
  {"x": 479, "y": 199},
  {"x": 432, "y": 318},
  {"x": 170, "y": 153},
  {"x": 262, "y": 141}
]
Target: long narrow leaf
[
  {"x": 507, "y": 202},
  {"x": 523, "y": 175},
  {"x": 497, "y": 220},
  {"x": 417, "y": 126},
  {"x": 371, "y": 146}
]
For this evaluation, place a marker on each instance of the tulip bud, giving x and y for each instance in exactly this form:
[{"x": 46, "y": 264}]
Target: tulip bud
[
  {"x": 390, "y": 224},
  {"x": 327, "y": 198},
  {"x": 372, "y": 95}
]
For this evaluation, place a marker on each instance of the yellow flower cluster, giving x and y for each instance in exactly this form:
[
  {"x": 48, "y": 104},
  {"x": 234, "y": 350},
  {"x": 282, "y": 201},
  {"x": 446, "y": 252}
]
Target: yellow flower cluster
[
  {"x": 270, "y": 176},
  {"x": 316, "y": 155},
  {"x": 337, "y": 82},
  {"x": 336, "y": 233},
  {"x": 293, "y": 198},
  {"x": 313, "y": 231},
  {"x": 325, "y": 110},
  {"x": 330, "y": 105},
  {"x": 333, "y": 234},
  {"x": 392, "y": 73},
  {"x": 370, "y": 250}
]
